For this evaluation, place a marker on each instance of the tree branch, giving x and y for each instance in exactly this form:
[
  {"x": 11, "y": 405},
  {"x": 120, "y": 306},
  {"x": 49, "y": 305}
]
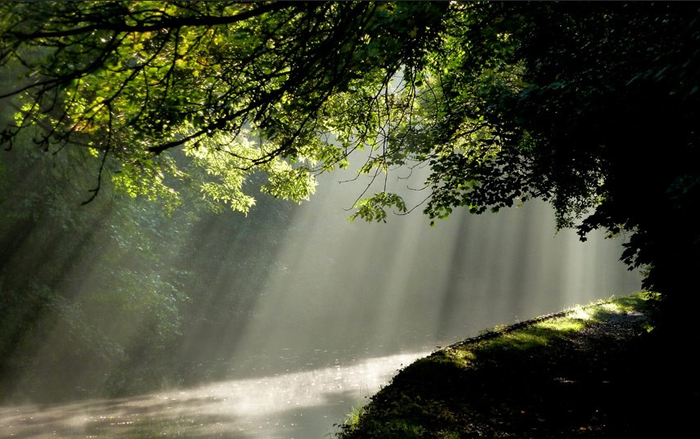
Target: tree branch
[{"x": 169, "y": 23}]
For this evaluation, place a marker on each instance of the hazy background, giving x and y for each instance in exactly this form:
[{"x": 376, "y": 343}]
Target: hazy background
[
  {"x": 384, "y": 287},
  {"x": 118, "y": 297},
  {"x": 275, "y": 324}
]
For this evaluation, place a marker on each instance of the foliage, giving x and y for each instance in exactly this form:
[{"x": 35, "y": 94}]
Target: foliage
[
  {"x": 352, "y": 419},
  {"x": 598, "y": 88},
  {"x": 591, "y": 106},
  {"x": 73, "y": 276},
  {"x": 111, "y": 289},
  {"x": 237, "y": 86}
]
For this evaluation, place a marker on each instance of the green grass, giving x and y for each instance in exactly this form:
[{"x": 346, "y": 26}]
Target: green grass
[
  {"x": 352, "y": 420},
  {"x": 583, "y": 373}
]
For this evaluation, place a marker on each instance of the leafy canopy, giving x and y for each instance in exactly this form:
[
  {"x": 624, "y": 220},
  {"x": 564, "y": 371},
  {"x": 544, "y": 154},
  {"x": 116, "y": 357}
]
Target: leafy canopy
[
  {"x": 591, "y": 106},
  {"x": 233, "y": 87}
]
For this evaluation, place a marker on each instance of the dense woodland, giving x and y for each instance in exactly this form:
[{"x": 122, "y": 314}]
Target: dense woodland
[
  {"x": 113, "y": 287},
  {"x": 128, "y": 125}
]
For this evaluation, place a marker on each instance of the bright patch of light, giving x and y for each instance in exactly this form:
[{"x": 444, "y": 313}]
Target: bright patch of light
[
  {"x": 579, "y": 313},
  {"x": 289, "y": 405}
]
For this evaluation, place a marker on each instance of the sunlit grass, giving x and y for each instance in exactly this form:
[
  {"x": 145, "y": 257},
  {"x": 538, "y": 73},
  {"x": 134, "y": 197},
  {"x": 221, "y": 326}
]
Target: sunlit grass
[
  {"x": 461, "y": 357},
  {"x": 539, "y": 333},
  {"x": 432, "y": 395},
  {"x": 353, "y": 418}
]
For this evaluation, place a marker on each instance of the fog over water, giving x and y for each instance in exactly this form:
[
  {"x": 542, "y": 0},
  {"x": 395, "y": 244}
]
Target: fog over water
[
  {"x": 303, "y": 404},
  {"x": 355, "y": 302}
]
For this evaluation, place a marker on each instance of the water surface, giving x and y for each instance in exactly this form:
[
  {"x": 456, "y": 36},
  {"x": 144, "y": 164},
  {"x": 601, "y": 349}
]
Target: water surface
[{"x": 293, "y": 405}]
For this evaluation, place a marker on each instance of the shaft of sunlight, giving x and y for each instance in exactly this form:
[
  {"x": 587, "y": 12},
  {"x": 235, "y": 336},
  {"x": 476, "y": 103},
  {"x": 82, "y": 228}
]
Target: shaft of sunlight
[{"x": 329, "y": 309}]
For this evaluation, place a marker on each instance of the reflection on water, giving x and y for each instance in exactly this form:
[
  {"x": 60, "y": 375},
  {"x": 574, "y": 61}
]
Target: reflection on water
[{"x": 301, "y": 405}]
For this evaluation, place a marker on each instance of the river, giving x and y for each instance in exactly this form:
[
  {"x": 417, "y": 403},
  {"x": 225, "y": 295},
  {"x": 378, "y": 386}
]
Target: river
[{"x": 302, "y": 404}]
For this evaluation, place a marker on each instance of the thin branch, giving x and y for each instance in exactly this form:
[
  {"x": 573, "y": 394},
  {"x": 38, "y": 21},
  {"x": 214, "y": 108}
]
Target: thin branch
[
  {"x": 96, "y": 190},
  {"x": 169, "y": 23}
]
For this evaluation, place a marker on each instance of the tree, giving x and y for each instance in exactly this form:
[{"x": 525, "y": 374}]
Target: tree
[
  {"x": 505, "y": 102},
  {"x": 238, "y": 86},
  {"x": 600, "y": 121},
  {"x": 71, "y": 276}
]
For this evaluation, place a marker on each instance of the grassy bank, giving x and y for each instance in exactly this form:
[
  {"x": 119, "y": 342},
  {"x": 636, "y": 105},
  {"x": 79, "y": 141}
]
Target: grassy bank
[{"x": 595, "y": 371}]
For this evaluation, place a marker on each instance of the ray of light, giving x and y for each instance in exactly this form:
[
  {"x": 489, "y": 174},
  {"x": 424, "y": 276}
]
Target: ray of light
[{"x": 341, "y": 294}]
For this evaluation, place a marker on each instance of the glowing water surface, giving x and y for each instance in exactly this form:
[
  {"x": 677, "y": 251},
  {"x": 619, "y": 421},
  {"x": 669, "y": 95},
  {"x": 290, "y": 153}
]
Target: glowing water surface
[{"x": 303, "y": 404}]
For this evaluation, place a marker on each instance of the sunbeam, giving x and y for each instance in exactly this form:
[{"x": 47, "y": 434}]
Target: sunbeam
[
  {"x": 379, "y": 289},
  {"x": 301, "y": 316}
]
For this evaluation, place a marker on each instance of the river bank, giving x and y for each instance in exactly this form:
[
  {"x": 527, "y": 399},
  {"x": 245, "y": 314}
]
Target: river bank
[{"x": 590, "y": 372}]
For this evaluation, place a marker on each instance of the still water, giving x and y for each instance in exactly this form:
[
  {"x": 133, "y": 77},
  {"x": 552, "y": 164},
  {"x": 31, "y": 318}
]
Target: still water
[{"x": 304, "y": 404}]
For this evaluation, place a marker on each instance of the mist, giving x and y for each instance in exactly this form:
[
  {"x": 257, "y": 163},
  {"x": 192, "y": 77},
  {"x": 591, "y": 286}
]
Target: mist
[
  {"x": 292, "y": 317},
  {"x": 383, "y": 288}
]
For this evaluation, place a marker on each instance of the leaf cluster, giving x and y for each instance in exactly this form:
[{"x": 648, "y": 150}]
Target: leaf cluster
[
  {"x": 258, "y": 82},
  {"x": 589, "y": 106}
]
